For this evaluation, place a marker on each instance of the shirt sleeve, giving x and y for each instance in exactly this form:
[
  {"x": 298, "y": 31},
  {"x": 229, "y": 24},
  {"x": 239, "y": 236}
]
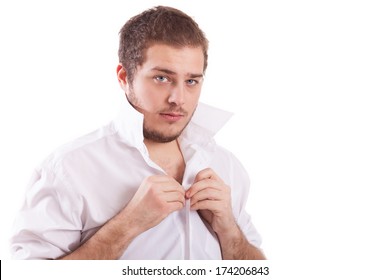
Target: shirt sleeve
[
  {"x": 240, "y": 192},
  {"x": 48, "y": 226}
]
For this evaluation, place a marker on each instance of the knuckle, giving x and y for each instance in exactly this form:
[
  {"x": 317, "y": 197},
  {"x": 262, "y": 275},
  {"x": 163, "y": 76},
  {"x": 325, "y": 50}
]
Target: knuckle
[
  {"x": 153, "y": 190},
  {"x": 151, "y": 178},
  {"x": 161, "y": 205},
  {"x": 180, "y": 197},
  {"x": 164, "y": 208}
]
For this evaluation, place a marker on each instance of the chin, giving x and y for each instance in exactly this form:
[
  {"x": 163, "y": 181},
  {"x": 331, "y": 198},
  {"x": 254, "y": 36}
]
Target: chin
[{"x": 161, "y": 137}]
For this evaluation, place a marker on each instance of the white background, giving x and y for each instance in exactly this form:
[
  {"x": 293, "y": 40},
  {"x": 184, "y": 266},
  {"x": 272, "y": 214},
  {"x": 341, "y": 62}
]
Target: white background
[{"x": 308, "y": 82}]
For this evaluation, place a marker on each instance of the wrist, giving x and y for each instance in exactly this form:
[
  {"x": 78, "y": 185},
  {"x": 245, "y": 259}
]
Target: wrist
[
  {"x": 127, "y": 226},
  {"x": 232, "y": 234}
]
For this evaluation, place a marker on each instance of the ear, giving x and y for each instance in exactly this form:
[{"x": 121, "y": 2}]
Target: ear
[{"x": 122, "y": 76}]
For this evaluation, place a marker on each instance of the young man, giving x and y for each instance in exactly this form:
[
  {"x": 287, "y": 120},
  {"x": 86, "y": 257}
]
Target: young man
[{"x": 152, "y": 184}]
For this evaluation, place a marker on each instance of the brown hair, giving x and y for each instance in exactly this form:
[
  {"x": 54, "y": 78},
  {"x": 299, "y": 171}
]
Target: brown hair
[{"x": 157, "y": 25}]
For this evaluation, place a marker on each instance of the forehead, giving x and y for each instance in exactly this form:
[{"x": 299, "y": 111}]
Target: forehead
[{"x": 176, "y": 59}]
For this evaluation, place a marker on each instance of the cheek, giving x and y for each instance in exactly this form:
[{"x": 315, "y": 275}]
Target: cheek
[
  {"x": 149, "y": 96},
  {"x": 193, "y": 98}
]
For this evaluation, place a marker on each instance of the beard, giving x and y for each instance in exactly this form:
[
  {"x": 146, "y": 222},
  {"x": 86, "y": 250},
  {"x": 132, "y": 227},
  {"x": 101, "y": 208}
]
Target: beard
[
  {"x": 154, "y": 134},
  {"x": 161, "y": 137}
]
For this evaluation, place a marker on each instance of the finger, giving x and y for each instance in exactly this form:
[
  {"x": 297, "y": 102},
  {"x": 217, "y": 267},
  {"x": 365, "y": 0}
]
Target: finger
[
  {"x": 167, "y": 184},
  {"x": 201, "y": 185},
  {"x": 163, "y": 179},
  {"x": 210, "y": 194},
  {"x": 173, "y": 188},
  {"x": 174, "y": 197},
  {"x": 159, "y": 178},
  {"x": 174, "y": 206},
  {"x": 207, "y": 173},
  {"x": 212, "y": 205}
]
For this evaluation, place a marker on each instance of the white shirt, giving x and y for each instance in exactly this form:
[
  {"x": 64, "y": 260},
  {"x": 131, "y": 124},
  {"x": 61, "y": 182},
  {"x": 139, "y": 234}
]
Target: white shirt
[{"x": 87, "y": 182}]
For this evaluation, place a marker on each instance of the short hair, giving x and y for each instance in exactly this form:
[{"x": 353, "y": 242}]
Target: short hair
[{"x": 157, "y": 25}]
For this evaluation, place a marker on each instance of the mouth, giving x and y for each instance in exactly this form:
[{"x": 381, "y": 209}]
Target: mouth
[{"x": 171, "y": 116}]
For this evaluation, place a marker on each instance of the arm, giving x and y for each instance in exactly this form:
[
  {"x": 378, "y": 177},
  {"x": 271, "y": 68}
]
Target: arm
[
  {"x": 157, "y": 197},
  {"x": 211, "y": 197},
  {"x": 110, "y": 241},
  {"x": 236, "y": 247}
]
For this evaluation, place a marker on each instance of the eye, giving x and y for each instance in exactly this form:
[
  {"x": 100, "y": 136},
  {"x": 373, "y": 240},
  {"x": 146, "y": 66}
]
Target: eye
[
  {"x": 161, "y": 79},
  {"x": 192, "y": 82}
]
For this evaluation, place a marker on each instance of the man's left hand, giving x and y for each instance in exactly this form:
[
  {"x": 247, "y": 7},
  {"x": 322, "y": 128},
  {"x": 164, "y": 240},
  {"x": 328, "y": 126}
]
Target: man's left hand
[{"x": 211, "y": 197}]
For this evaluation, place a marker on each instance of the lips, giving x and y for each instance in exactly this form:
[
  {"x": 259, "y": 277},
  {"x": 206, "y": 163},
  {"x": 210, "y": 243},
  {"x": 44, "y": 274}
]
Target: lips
[{"x": 171, "y": 116}]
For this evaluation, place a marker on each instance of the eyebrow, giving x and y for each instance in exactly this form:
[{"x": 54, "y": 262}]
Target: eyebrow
[{"x": 170, "y": 72}]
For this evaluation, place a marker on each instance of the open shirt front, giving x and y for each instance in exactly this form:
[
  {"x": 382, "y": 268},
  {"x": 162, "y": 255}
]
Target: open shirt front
[{"x": 87, "y": 182}]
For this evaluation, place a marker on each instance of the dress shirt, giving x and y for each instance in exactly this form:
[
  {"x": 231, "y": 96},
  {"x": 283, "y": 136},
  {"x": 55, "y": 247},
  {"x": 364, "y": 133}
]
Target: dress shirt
[{"x": 85, "y": 183}]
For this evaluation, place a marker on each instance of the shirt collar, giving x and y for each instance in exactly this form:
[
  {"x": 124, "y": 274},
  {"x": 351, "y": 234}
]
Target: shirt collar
[{"x": 205, "y": 123}]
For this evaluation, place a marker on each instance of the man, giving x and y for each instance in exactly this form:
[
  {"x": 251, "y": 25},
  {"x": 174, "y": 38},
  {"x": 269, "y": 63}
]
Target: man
[{"x": 152, "y": 184}]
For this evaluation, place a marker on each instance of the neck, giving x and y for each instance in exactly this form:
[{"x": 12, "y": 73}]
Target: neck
[
  {"x": 161, "y": 148},
  {"x": 168, "y": 156}
]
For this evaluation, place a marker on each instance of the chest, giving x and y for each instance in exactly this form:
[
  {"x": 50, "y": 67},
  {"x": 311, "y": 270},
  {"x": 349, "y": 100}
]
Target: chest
[{"x": 173, "y": 166}]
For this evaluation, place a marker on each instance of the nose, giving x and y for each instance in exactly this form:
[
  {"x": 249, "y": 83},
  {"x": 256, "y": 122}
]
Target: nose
[{"x": 177, "y": 95}]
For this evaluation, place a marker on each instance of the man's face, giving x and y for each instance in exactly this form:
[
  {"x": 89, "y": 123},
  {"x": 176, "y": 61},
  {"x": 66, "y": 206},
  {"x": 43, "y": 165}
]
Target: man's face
[{"x": 166, "y": 89}]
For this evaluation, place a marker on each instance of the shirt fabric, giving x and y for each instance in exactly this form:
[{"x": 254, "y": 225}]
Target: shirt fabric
[{"x": 85, "y": 183}]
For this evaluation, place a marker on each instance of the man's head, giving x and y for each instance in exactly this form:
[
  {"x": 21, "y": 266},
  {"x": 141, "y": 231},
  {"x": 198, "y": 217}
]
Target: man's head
[
  {"x": 164, "y": 25},
  {"x": 163, "y": 57}
]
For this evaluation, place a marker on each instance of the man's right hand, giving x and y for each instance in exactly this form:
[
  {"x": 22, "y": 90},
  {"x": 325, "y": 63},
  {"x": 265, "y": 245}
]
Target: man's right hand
[{"x": 156, "y": 198}]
